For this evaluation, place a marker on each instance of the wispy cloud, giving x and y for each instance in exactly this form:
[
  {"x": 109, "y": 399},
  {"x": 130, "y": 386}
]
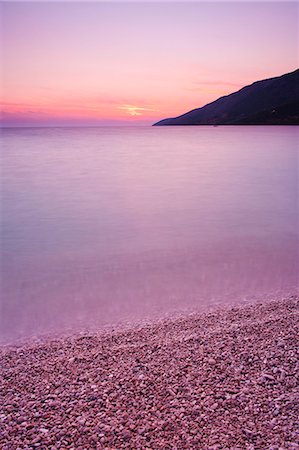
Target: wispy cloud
[
  {"x": 217, "y": 83},
  {"x": 208, "y": 86}
]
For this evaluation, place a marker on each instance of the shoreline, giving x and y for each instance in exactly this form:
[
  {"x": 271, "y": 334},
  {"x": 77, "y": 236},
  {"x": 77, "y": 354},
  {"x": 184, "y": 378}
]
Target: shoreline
[
  {"x": 226, "y": 379},
  {"x": 134, "y": 322}
]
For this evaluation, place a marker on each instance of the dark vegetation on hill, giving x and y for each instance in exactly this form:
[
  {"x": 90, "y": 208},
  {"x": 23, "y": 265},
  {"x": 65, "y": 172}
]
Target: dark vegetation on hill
[{"x": 274, "y": 101}]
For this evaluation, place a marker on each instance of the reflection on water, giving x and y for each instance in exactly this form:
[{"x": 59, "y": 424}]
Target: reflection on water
[{"x": 101, "y": 225}]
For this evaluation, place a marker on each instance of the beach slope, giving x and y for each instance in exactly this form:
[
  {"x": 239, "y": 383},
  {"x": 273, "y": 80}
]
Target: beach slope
[{"x": 223, "y": 380}]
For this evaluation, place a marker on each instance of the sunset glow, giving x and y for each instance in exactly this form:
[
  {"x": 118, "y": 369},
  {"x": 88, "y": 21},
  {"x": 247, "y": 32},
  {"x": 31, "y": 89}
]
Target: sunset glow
[
  {"x": 135, "y": 110},
  {"x": 134, "y": 63}
]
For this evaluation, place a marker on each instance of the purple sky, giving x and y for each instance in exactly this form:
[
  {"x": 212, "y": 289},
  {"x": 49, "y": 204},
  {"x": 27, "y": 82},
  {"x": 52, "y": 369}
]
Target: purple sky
[{"x": 134, "y": 63}]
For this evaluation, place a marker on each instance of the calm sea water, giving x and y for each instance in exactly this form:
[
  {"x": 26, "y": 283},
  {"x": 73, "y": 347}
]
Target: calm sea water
[{"x": 105, "y": 225}]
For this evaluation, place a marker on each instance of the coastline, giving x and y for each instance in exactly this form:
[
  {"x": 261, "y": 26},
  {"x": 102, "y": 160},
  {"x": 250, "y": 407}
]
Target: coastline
[{"x": 225, "y": 379}]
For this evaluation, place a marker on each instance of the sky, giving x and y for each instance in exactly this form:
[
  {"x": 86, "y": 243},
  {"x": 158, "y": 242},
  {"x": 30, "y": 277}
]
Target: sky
[{"x": 109, "y": 63}]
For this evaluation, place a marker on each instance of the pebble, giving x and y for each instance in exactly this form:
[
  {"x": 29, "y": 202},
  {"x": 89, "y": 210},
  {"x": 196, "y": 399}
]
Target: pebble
[{"x": 227, "y": 385}]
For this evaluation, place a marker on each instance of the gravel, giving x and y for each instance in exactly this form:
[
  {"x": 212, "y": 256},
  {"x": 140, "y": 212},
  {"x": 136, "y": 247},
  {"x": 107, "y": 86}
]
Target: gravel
[{"x": 221, "y": 380}]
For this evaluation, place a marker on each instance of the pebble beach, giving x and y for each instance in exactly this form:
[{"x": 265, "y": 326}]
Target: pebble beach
[{"x": 227, "y": 379}]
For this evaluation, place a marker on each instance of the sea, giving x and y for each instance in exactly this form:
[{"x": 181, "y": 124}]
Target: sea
[{"x": 113, "y": 226}]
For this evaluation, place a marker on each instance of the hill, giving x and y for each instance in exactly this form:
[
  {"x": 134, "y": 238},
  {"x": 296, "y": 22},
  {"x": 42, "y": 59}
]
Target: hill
[{"x": 274, "y": 101}]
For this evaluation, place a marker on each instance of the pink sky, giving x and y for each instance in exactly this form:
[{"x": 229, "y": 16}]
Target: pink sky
[{"x": 79, "y": 63}]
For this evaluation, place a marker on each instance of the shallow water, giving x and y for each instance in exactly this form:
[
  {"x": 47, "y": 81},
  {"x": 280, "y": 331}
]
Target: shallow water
[{"x": 104, "y": 225}]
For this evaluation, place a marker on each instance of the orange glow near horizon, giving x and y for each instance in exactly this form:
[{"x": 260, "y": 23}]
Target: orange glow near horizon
[
  {"x": 87, "y": 110},
  {"x": 134, "y": 110}
]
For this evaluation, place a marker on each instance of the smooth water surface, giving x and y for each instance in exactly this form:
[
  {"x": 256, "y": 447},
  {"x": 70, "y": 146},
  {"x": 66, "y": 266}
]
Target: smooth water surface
[{"x": 104, "y": 225}]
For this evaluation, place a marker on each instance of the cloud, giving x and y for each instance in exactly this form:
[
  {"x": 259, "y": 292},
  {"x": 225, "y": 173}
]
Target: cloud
[{"x": 217, "y": 83}]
